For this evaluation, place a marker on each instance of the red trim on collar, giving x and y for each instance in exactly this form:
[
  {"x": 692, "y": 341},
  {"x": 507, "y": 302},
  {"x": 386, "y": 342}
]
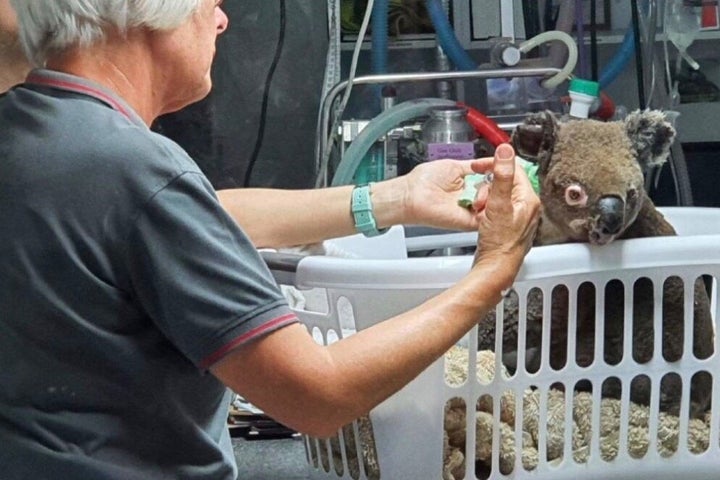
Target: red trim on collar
[{"x": 80, "y": 88}]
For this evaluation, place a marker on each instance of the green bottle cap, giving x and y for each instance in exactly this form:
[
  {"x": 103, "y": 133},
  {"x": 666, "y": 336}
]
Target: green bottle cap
[{"x": 588, "y": 87}]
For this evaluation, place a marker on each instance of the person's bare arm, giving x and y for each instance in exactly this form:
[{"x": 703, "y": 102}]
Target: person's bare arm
[
  {"x": 317, "y": 389},
  {"x": 281, "y": 218}
]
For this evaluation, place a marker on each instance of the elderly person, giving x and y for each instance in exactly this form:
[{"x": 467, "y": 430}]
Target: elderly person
[
  {"x": 13, "y": 64},
  {"x": 132, "y": 295}
]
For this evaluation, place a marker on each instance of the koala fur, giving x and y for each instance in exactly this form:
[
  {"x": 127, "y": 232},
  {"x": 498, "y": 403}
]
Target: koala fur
[{"x": 592, "y": 190}]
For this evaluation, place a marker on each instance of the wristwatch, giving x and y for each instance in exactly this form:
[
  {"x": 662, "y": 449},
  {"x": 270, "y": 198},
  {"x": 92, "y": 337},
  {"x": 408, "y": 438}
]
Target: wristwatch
[{"x": 362, "y": 211}]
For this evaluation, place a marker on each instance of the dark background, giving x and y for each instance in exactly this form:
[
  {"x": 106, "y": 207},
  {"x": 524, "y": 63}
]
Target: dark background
[{"x": 220, "y": 132}]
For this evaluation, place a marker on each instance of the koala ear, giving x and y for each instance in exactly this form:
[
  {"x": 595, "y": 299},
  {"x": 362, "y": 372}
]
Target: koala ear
[
  {"x": 650, "y": 135},
  {"x": 535, "y": 138}
]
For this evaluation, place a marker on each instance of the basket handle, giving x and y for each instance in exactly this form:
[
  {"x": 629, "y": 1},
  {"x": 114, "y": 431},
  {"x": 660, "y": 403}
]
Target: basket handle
[{"x": 282, "y": 265}]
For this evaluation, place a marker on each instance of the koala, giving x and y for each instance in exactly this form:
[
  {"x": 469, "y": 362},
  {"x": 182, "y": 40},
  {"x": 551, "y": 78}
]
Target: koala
[{"x": 591, "y": 177}]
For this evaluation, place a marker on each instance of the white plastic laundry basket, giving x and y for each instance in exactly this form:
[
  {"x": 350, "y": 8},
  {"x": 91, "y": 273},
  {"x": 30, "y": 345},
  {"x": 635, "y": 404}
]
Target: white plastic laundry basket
[{"x": 407, "y": 430}]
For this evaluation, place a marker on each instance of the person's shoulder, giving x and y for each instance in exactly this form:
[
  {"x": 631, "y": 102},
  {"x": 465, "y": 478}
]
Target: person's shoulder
[
  {"x": 112, "y": 136},
  {"x": 147, "y": 160},
  {"x": 135, "y": 152},
  {"x": 155, "y": 150}
]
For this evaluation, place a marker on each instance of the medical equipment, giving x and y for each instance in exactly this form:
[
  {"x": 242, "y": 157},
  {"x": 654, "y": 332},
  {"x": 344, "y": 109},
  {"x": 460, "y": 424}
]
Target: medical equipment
[
  {"x": 394, "y": 126},
  {"x": 509, "y": 90}
]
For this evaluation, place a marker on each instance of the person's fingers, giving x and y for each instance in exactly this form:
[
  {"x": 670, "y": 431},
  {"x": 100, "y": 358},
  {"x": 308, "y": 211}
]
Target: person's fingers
[
  {"x": 503, "y": 172},
  {"x": 467, "y": 168},
  {"x": 482, "y": 165},
  {"x": 481, "y": 197}
]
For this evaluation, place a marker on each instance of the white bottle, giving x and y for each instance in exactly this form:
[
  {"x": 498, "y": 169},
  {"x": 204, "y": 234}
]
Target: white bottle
[{"x": 582, "y": 95}]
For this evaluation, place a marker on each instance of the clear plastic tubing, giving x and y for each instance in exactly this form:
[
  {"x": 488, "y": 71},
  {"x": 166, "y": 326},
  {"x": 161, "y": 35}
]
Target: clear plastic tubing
[{"x": 550, "y": 36}]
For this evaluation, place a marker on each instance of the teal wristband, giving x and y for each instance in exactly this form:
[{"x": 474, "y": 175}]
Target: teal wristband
[{"x": 361, "y": 207}]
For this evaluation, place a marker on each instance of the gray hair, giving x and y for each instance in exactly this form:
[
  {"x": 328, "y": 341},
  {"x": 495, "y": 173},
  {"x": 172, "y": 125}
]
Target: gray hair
[{"x": 49, "y": 27}]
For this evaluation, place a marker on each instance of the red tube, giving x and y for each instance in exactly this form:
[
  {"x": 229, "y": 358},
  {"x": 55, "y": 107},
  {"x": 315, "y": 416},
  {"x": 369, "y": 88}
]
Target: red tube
[
  {"x": 485, "y": 127},
  {"x": 606, "y": 108}
]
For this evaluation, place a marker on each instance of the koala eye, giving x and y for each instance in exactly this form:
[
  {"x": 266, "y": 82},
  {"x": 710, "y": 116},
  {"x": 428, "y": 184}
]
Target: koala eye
[{"x": 575, "y": 196}]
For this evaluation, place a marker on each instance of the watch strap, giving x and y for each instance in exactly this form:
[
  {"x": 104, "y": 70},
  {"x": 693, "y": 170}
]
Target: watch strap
[{"x": 362, "y": 211}]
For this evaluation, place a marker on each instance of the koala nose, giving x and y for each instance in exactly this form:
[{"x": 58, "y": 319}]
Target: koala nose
[{"x": 612, "y": 214}]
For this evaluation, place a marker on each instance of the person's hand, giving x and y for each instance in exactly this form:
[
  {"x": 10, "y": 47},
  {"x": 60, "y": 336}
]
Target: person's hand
[
  {"x": 507, "y": 211},
  {"x": 430, "y": 194}
]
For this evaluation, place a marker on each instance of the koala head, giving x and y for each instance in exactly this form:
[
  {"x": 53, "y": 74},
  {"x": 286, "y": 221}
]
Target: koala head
[{"x": 591, "y": 172}]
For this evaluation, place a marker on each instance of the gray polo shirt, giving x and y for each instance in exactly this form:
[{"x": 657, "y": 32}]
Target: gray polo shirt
[{"x": 122, "y": 280}]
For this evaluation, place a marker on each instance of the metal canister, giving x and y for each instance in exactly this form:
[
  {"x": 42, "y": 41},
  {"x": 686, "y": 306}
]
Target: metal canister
[{"x": 447, "y": 134}]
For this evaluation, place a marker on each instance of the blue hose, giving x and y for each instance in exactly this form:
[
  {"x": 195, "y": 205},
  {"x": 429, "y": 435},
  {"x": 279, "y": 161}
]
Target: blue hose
[
  {"x": 447, "y": 39},
  {"x": 462, "y": 61},
  {"x": 380, "y": 36},
  {"x": 619, "y": 61}
]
